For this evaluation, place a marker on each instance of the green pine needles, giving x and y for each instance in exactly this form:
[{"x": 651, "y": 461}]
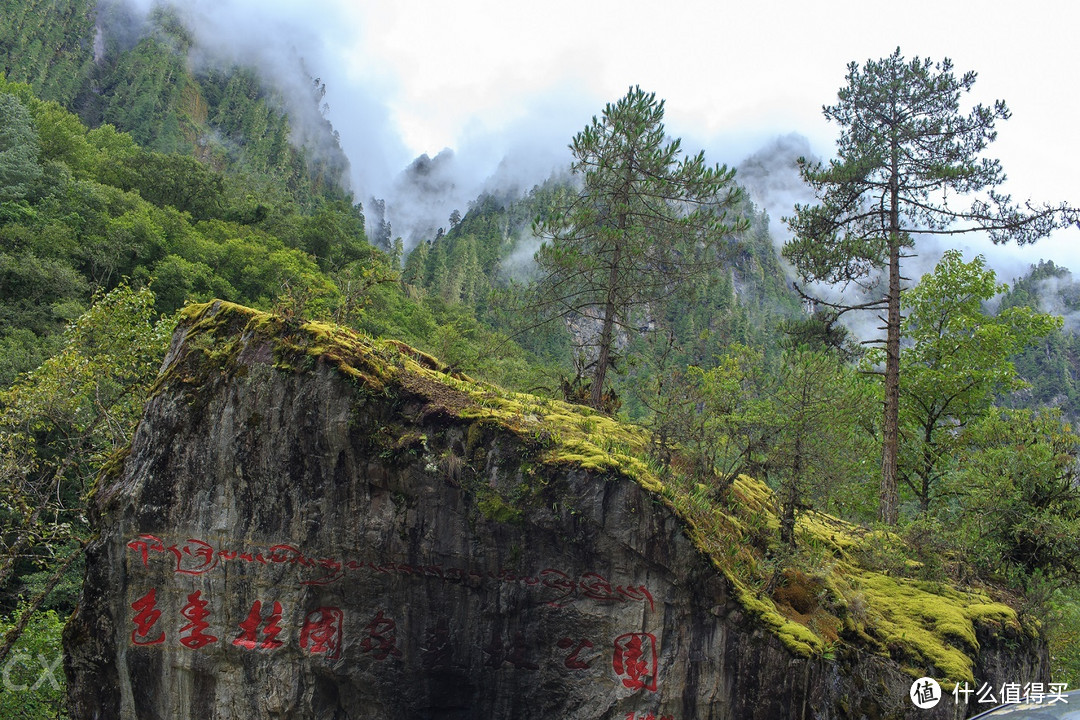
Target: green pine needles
[{"x": 645, "y": 221}]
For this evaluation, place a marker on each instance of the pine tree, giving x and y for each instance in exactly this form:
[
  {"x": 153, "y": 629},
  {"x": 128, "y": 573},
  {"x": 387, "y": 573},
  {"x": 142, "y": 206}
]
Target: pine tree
[
  {"x": 904, "y": 156},
  {"x": 645, "y": 221}
]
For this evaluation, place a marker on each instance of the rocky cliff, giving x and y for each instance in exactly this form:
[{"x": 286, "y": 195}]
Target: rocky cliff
[{"x": 310, "y": 524}]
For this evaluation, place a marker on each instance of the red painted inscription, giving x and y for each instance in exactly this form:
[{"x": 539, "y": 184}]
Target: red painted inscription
[
  {"x": 380, "y": 640},
  {"x": 193, "y": 634},
  {"x": 572, "y": 661},
  {"x": 196, "y": 557},
  {"x": 248, "y": 637},
  {"x": 146, "y": 615},
  {"x": 321, "y": 632},
  {"x": 635, "y": 660}
]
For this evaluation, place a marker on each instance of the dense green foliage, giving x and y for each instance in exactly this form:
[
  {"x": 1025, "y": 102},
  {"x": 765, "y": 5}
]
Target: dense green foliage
[
  {"x": 957, "y": 358},
  {"x": 102, "y": 209},
  {"x": 62, "y": 420},
  {"x": 1019, "y": 500},
  {"x": 35, "y": 687}
]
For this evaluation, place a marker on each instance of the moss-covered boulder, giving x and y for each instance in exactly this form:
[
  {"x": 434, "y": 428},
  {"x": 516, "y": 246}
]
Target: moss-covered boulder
[{"x": 312, "y": 524}]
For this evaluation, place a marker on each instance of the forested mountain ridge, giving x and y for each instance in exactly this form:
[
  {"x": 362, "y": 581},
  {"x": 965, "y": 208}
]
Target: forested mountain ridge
[
  {"x": 212, "y": 143},
  {"x": 1052, "y": 366},
  {"x": 109, "y": 65},
  {"x": 95, "y": 208}
]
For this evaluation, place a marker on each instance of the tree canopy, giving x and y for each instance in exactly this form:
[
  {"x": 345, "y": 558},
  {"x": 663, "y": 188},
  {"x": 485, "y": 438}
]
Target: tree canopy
[{"x": 956, "y": 360}]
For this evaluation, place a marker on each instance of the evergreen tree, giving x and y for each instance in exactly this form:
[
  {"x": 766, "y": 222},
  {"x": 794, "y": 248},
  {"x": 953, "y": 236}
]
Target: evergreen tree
[
  {"x": 645, "y": 221},
  {"x": 18, "y": 149},
  {"x": 817, "y": 439},
  {"x": 904, "y": 147},
  {"x": 438, "y": 268},
  {"x": 415, "y": 271}
]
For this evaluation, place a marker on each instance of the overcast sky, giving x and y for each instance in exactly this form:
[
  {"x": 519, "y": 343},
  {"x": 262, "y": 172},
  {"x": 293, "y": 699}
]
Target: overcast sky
[{"x": 491, "y": 79}]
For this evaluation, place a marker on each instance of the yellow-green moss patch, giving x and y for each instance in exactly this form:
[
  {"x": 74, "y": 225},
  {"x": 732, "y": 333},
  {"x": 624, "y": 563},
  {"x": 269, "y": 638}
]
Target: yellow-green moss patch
[{"x": 935, "y": 624}]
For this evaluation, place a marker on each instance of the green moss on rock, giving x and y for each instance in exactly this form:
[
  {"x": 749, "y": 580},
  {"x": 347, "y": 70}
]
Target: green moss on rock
[{"x": 493, "y": 507}]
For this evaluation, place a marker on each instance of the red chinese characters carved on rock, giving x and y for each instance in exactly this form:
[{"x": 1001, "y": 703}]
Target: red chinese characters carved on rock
[
  {"x": 248, "y": 637},
  {"x": 572, "y": 661},
  {"x": 196, "y": 557},
  {"x": 380, "y": 640},
  {"x": 321, "y": 632},
  {"x": 635, "y": 660},
  {"x": 193, "y": 634},
  {"x": 596, "y": 587},
  {"x": 146, "y": 615}
]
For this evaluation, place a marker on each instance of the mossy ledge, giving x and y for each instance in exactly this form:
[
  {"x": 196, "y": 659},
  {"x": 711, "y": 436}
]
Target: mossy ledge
[
  {"x": 215, "y": 333},
  {"x": 928, "y": 628}
]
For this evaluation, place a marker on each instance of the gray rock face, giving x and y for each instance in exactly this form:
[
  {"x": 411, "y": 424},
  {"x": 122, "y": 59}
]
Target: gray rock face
[{"x": 299, "y": 543}]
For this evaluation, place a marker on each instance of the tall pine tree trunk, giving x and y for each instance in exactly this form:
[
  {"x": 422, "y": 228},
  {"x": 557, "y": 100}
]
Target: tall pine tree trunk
[
  {"x": 888, "y": 498},
  {"x": 889, "y": 511},
  {"x": 607, "y": 334}
]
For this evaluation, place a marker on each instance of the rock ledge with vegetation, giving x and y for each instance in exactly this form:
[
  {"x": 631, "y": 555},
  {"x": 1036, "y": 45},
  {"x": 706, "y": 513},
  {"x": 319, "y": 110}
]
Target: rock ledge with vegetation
[{"x": 310, "y": 523}]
